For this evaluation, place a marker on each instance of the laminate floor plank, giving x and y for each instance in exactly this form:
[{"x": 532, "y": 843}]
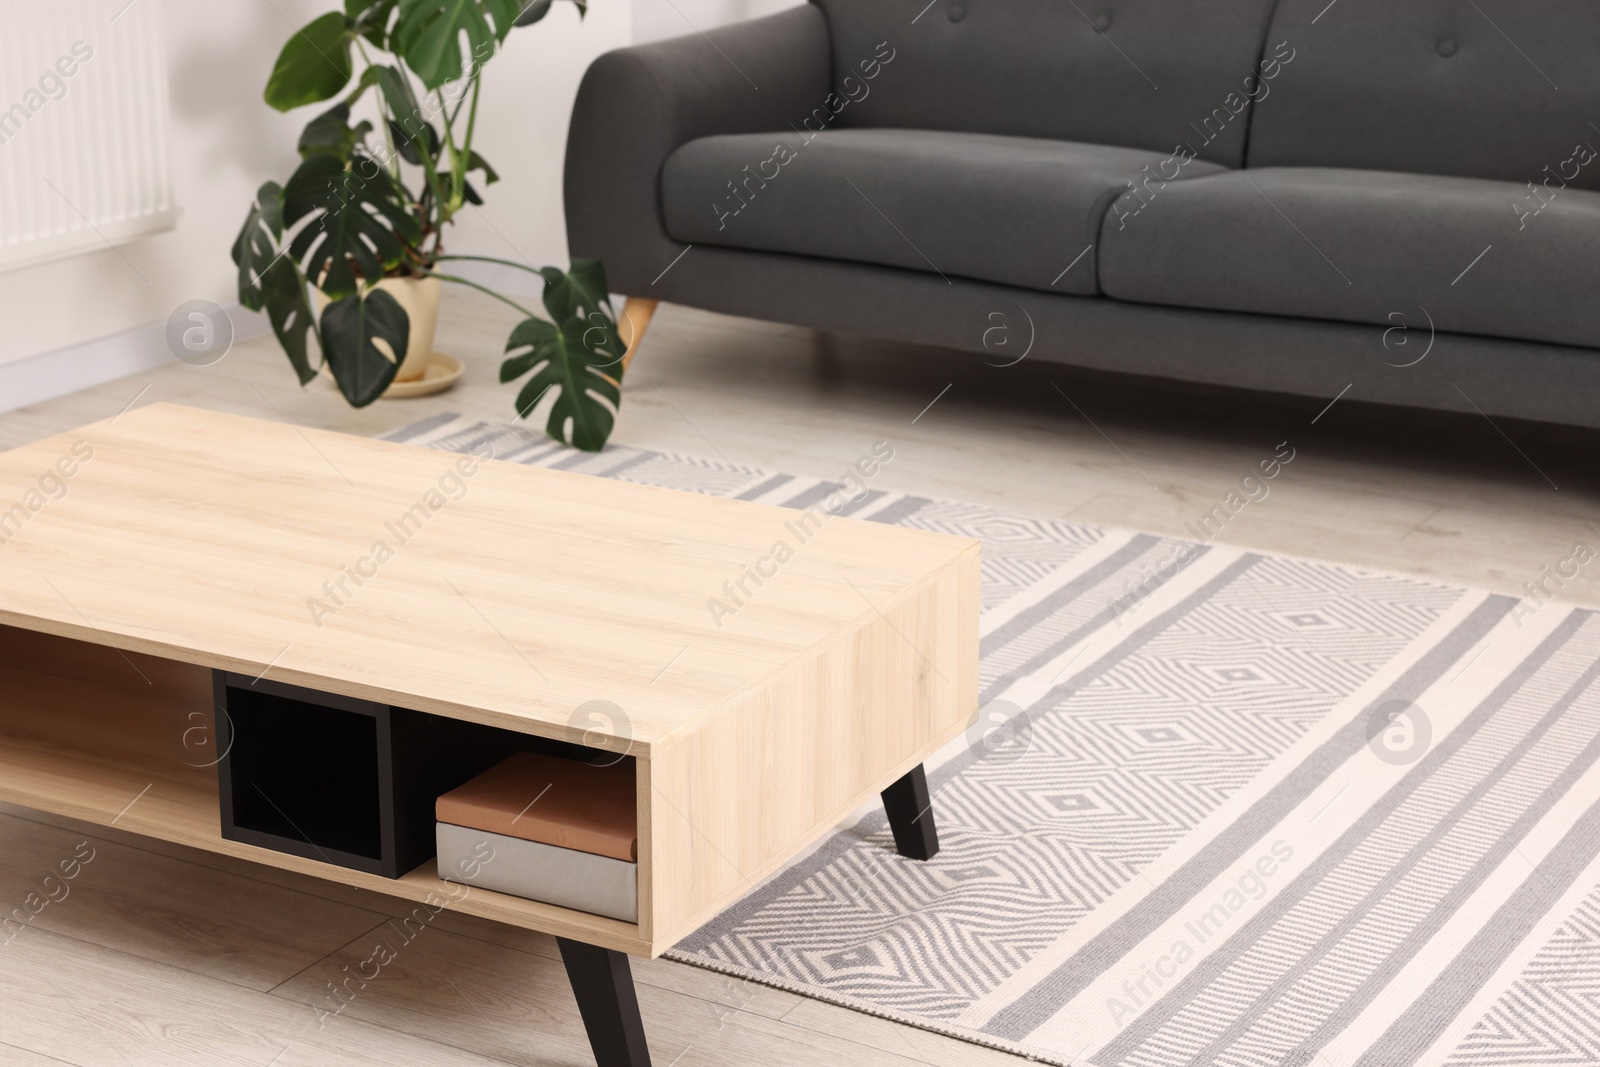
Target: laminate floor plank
[
  {"x": 12, "y": 1056},
  {"x": 98, "y": 1007},
  {"x": 517, "y": 1007},
  {"x": 329, "y": 889},
  {"x": 695, "y": 981},
  {"x": 235, "y": 928},
  {"x": 1448, "y": 496},
  {"x": 1364, "y": 482}
]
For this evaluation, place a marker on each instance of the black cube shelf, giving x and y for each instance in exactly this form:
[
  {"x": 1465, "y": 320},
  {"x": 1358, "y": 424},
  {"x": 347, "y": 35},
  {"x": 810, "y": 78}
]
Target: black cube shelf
[{"x": 345, "y": 781}]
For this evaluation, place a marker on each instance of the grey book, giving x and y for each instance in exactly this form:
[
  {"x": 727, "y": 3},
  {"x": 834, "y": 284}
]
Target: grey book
[{"x": 566, "y": 877}]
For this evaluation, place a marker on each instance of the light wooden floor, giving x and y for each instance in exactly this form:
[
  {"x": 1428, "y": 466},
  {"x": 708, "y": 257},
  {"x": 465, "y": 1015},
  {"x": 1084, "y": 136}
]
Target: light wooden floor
[{"x": 159, "y": 955}]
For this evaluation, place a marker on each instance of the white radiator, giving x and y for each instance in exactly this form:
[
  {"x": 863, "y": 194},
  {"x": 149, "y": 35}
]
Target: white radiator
[{"x": 83, "y": 127}]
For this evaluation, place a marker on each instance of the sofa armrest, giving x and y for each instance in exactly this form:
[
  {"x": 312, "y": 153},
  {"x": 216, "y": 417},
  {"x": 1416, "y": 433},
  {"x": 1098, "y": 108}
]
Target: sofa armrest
[{"x": 637, "y": 105}]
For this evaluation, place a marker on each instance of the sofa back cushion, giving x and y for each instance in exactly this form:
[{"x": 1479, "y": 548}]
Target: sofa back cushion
[
  {"x": 1450, "y": 87},
  {"x": 1137, "y": 73}
]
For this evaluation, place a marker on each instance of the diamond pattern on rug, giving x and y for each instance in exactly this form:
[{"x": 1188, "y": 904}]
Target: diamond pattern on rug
[
  {"x": 1025, "y": 550},
  {"x": 1208, "y": 676},
  {"x": 1287, "y": 977},
  {"x": 1085, "y": 808},
  {"x": 1551, "y": 1013}
]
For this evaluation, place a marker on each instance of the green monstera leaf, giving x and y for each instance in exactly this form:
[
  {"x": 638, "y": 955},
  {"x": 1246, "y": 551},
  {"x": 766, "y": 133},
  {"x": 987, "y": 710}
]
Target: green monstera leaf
[
  {"x": 533, "y": 11},
  {"x": 428, "y": 34},
  {"x": 415, "y": 137},
  {"x": 447, "y": 184},
  {"x": 579, "y": 290},
  {"x": 416, "y": 145},
  {"x": 368, "y": 79},
  {"x": 349, "y": 328},
  {"x": 346, "y": 218},
  {"x": 577, "y": 360},
  {"x": 477, "y": 162},
  {"x": 330, "y": 133},
  {"x": 269, "y": 279},
  {"x": 315, "y": 65},
  {"x": 359, "y": 220},
  {"x": 256, "y": 247},
  {"x": 371, "y": 18},
  {"x": 293, "y": 321}
]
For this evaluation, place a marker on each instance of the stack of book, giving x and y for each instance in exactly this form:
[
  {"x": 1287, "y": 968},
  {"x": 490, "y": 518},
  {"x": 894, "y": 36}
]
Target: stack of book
[{"x": 546, "y": 828}]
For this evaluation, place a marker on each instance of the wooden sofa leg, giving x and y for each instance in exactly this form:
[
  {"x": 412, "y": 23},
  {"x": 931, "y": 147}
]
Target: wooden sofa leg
[{"x": 636, "y": 315}]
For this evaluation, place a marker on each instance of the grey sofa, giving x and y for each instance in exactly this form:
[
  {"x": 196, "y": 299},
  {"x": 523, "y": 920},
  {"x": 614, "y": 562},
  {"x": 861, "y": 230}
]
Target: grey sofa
[{"x": 1398, "y": 199}]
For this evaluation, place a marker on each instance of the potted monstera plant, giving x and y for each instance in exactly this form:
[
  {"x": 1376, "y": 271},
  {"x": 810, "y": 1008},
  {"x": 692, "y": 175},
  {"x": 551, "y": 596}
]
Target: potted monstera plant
[{"x": 346, "y": 257}]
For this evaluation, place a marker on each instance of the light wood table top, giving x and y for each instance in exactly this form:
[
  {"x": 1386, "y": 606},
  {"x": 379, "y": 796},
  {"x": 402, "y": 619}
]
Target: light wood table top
[
  {"x": 206, "y": 538},
  {"x": 507, "y": 595}
]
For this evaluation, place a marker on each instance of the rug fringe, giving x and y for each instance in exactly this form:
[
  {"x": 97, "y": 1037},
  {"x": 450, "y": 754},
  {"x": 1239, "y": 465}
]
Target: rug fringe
[{"x": 934, "y": 1026}]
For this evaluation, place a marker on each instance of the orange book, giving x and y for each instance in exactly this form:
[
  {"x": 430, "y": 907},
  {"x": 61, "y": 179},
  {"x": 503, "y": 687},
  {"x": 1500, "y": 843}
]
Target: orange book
[{"x": 553, "y": 801}]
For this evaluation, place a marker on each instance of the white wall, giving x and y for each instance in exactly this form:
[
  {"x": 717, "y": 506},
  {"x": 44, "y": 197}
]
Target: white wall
[
  {"x": 757, "y": 8},
  {"x": 221, "y": 146},
  {"x": 74, "y": 322},
  {"x": 528, "y": 93},
  {"x": 226, "y": 141},
  {"x": 655, "y": 19}
]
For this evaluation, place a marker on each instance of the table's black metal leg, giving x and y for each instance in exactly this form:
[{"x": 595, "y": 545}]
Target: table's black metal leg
[
  {"x": 603, "y": 983},
  {"x": 910, "y": 813}
]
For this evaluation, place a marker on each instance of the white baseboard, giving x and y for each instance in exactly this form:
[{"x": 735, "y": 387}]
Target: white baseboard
[{"x": 35, "y": 379}]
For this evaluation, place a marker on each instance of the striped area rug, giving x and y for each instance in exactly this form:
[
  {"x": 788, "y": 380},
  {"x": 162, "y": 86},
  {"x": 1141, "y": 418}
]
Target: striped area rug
[{"x": 1222, "y": 808}]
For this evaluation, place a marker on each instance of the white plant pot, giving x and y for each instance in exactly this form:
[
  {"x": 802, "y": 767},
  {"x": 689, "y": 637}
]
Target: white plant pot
[{"x": 420, "y": 299}]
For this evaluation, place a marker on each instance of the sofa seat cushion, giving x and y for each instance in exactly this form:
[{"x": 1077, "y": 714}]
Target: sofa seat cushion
[
  {"x": 1470, "y": 255},
  {"x": 1015, "y": 210}
]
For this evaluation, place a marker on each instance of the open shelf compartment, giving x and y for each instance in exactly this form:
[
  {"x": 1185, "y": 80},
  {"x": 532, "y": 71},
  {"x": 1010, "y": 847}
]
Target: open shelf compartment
[{"x": 131, "y": 741}]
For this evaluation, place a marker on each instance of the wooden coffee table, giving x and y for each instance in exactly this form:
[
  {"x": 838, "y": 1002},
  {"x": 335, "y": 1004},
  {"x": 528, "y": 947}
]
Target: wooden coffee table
[{"x": 147, "y": 559}]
